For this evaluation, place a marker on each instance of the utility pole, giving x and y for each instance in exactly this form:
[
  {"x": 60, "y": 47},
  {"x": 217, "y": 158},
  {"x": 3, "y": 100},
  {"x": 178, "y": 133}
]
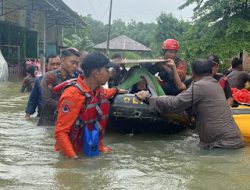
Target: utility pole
[
  {"x": 44, "y": 43},
  {"x": 110, "y": 14}
]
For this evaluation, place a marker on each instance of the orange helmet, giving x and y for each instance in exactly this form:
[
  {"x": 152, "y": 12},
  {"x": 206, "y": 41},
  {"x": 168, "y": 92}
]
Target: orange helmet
[{"x": 170, "y": 44}]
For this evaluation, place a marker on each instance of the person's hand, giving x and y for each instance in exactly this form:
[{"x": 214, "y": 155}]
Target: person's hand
[
  {"x": 141, "y": 95},
  {"x": 122, "y": 65},
  {"x": 121, "y": 91},
  {"x": 170, "y": 64}
]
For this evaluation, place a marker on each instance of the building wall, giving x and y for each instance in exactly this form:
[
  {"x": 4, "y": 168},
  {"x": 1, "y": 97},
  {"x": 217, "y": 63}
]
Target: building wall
[{"x": 31, "y": 20}]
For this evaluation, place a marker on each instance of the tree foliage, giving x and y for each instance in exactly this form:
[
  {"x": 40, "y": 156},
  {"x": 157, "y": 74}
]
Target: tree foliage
[
  {"x": 220, "y": 27},
  {"x": 149, "y": 34},
  {"x": 78, "y": 38}
]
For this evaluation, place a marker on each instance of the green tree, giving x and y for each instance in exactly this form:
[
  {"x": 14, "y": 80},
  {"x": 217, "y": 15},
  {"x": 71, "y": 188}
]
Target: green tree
[
  {"x": 221, "y": 27},
  {"x": 98, "y": 30},
  {"x": 79, "y": 41},
  {"x": 79, "y": 38},
  {"x": 170, "y": 27}
]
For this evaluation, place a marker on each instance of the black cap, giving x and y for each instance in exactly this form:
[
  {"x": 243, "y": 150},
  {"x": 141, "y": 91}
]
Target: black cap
[
  {"x": 95, "y": 60},
  {"x": 70, "y": 52},
  {"x": 214, "y": 59},
  {"x": 112, "y": 64}
]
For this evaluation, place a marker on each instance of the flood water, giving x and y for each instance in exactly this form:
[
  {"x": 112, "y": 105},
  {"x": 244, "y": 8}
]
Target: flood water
[{"x": 148, "y": 161}]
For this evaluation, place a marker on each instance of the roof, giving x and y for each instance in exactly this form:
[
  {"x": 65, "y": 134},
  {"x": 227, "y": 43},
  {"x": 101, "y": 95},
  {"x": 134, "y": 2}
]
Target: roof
[
  {"x": 61, "y": 14},
  {"x": 123, "y": 43},
  {"x": 57, "y": 12}
]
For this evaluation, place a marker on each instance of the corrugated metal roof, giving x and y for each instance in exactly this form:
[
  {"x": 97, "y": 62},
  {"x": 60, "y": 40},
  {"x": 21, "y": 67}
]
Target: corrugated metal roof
[
  {"x": 61, "y": 14},
  {"x": 123, "y": 43},
  {"x": 57, "y": 12}
]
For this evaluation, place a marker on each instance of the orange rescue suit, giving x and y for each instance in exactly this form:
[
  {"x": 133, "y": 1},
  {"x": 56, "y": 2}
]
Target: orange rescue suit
[{"x": 71, "y": 107}]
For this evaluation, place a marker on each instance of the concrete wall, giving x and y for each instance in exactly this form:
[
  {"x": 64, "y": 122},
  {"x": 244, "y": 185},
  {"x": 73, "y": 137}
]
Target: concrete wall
[{"x": 32, "y": 20}]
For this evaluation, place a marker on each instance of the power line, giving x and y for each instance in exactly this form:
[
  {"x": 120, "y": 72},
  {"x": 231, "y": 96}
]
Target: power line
[
  {"x": 91, "y": 6},
  {"x": 106, "y": 12}
]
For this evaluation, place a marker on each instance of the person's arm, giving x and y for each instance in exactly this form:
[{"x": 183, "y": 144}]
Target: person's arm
[
  {"x": 173, "y": 104},
  {"x": 33, "y": 99},
  {"x": 47, "y": 93},
  {"x": 24, "y": 85},
  {"x": 178, "y": 83},
  {"x": 69, "y": 107},
  {"x": 110, "y": 92},
  {"x": 228, "y": 94}
]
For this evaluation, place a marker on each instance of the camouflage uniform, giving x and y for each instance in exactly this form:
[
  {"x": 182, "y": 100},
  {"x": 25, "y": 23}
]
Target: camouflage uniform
[{"x": 49, "y": 98}]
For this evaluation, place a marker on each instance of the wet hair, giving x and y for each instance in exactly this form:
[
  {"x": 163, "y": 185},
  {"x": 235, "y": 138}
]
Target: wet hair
[
  {"x": 70, "y": 52},
  {"x": 51, "y": 57},
  {"x": 202, "y": 67},
  {"x": 214, "y": 59},
  {"x": 236, "y": 62},
  {"x": 31, "y": 70},
  {"x": 116, "y": 56},
  {"x": 92, "y": 61}
]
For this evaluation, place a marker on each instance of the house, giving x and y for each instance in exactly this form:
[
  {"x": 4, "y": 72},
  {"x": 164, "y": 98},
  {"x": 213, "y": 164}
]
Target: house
[
  {"x": 33, "y": 28},
  {"x": 123, "y": 43}
]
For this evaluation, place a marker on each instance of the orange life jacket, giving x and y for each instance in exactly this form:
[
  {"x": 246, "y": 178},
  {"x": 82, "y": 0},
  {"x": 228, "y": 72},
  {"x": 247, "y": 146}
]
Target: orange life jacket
[
  {"x": 222, "y": 81},
  {"x": 94, "y": 110},
  {"x": 181, "y": 67}
]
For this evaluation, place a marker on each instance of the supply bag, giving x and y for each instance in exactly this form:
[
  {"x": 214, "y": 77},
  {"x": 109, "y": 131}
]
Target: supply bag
[{"x": 91, "y": 141}]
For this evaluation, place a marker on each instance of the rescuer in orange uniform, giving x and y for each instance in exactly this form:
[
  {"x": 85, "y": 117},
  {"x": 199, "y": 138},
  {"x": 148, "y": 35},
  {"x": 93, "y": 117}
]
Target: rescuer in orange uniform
[
  {"x": 82, "y": 103},
  {"x": 174, "y": 75}
]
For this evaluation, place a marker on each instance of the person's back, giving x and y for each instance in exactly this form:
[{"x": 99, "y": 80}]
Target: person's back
[
  {"x": 214, "y": 116},
  {"x": 49, "y": 99},
  {"x": 207, "y": 101},
  {"x": 237, "y": 78},
  {"x": 28, "y": 81},
  {"x": 222, "y": 80}
]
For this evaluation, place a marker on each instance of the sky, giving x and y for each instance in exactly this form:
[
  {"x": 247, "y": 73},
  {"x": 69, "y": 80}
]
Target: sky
[{"x": 138, "y": 10}]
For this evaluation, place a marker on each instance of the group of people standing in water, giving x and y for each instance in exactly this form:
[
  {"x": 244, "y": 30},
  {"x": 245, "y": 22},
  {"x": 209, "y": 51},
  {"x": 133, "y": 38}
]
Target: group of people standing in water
[{"x": 71, "y": 96}]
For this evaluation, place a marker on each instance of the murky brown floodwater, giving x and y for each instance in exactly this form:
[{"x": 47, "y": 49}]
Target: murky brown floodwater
[{"x": 27, "y": 160}]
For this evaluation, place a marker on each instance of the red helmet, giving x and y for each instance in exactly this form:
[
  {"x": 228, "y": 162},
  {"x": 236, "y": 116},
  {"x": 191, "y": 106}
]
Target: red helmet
[{"x": 170, "y": 44}]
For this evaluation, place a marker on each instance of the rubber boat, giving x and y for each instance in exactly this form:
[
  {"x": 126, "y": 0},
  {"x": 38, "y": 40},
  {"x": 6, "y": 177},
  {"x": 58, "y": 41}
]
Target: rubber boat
[
  {"x": 132, "y": 115},
  {"x": 129, "y": 115},
  {"x": 241, "y": 115}
]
